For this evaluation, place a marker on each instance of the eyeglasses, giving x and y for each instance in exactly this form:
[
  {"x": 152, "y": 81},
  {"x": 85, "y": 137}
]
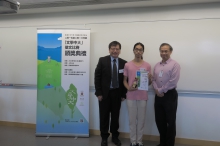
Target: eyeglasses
[
  {"x": 115, "y": 49},
  {"x": 138, "y": 50},
  {"x": 164, "y": 51}
]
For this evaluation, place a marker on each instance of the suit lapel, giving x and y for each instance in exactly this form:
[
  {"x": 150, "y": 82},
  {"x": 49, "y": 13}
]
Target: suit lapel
[
  {"x": 109, "y": 65},
  {"x": 119, "y": 64},
  {"x": 119, "y": 67}
]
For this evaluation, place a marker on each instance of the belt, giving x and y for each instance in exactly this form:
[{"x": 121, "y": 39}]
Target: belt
[
  {"x": 171, "y": 90},
  {"x": 113, "y": 89}
]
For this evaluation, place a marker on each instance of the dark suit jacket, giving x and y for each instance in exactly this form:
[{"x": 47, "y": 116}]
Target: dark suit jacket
[{"x": 103, "y": 77}]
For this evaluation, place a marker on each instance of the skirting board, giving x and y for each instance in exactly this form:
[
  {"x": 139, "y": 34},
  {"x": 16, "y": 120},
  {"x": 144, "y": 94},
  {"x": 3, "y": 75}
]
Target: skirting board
[
  {"x": 195, "y": 142},
  {"x": 17, "y": 124}
]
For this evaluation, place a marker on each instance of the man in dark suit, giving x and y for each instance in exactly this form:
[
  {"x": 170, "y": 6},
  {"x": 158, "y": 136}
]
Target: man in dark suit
[{"x": 110, "y": 91}]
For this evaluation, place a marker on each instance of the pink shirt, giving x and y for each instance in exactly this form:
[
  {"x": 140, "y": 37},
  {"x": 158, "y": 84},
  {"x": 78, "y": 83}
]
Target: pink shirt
[
  {"x": 130, "y": 70},
  {"x": 166, "y": 75}
]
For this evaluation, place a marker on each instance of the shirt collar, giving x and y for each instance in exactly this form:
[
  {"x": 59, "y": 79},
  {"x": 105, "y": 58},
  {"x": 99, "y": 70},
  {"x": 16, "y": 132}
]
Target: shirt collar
[
  {"x": 166, "y": 62},
  {"x": 113, "y": 59}
]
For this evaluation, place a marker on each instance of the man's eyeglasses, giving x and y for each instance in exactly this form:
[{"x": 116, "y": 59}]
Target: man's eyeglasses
[{"x": 115, "y": 49}]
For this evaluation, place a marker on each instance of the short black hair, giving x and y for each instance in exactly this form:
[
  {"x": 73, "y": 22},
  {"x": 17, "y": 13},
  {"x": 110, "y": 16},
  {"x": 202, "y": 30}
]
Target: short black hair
[
  {"x": 114, "y": 43},
  {"x": 166, "y": 44}
]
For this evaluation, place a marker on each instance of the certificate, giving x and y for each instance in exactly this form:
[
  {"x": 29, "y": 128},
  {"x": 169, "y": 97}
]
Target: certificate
[{"x": 142, "y": 80}]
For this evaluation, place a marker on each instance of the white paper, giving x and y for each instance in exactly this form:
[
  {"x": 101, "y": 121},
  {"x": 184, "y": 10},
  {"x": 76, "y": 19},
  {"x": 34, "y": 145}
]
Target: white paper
[{"x": 142, "y": 80}]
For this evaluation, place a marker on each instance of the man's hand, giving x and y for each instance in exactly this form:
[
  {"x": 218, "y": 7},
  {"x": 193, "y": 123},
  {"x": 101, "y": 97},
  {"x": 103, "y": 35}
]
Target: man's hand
[
  {"x": 99, "y": 98},
  {"x": 158, "y": 94}
]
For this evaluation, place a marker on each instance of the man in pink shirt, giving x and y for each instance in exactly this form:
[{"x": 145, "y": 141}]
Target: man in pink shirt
[{"x": 165, "y": 77}]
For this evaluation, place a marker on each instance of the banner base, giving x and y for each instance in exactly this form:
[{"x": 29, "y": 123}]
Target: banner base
[{"x": 61, "y": 134}]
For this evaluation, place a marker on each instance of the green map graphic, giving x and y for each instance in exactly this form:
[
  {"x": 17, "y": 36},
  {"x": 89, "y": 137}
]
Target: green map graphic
[
  {"x": 53, "y": 99},
  {"x": 49, "y": 73},
  {"x": 51, "y": 94},
  {"x": 71, "y": 97}
]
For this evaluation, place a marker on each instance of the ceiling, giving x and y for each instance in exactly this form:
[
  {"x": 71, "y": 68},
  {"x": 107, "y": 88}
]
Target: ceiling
[{"x": 44, "y": 6}]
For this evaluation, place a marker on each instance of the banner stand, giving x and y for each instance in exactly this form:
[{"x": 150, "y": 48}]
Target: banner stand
[{"x": 63, "y": 62}]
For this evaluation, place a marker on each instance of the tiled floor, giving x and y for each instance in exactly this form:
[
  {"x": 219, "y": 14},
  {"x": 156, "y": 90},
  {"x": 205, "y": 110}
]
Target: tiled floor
[{"x": 15, "y": 136}]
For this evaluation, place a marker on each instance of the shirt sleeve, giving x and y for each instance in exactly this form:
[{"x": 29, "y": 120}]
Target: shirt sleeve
[
  {"x": 126, "y": 70},
  {"x": 98, "y": 78},
  {"x": 154, "y": 80},
  {"x": 172, "y": 83}
]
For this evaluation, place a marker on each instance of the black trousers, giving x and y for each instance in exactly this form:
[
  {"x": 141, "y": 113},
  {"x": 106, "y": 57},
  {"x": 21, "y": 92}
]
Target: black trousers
[
  {"x": 165, "y": 117},
  {"x": 110, "y": 107}
]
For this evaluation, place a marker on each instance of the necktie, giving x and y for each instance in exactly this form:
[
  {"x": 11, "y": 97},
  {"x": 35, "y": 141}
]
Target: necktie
[{"x": 114, "y": 75}]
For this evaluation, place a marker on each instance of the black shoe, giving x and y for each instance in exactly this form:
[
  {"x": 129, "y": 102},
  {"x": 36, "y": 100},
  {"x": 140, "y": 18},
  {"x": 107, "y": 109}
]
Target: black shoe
[
  {"x": 140, "y": 144},
  {"x": 104, "y": 142},
  {"x": 133, "y": 144},
  {"x": 116, "y": 141}
]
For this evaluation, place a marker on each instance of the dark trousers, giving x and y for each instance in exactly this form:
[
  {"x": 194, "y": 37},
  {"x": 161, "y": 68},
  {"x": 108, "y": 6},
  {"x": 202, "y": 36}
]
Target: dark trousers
[
  {"x": 165, "y": 116},
  {"x": 110, "y": 107}
]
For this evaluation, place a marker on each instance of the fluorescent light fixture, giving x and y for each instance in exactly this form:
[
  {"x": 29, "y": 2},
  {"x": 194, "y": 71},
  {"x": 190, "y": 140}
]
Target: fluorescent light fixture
[{"x": 9, "y": 6}]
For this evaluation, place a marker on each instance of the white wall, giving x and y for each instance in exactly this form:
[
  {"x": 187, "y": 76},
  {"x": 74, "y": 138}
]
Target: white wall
[{"x": 198, "y": 114}]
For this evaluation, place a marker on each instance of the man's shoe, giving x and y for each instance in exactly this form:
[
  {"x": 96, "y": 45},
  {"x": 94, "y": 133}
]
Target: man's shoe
[
  {"x": 104, "y": 142},
  {"x": 116, "y": 141},
  {"x": 133, "y": 144},
  {"x": 140, "y": 144}
]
